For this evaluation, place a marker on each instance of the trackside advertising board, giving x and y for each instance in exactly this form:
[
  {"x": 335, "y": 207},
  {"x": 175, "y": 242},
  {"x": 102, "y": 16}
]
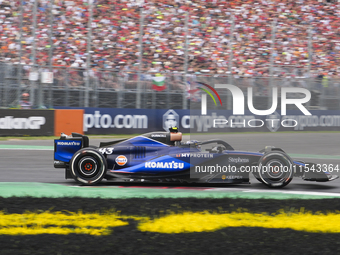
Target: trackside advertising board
[
  {"x": 134, "y": 121},
  {"x": 15, "y": 122}
]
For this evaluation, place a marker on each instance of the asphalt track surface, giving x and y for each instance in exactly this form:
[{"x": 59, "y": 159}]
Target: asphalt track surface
[{"x": 32, "y": 160}]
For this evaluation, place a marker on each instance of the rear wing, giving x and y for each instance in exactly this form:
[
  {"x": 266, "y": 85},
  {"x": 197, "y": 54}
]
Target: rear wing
[{"x": 66, "y": 146}]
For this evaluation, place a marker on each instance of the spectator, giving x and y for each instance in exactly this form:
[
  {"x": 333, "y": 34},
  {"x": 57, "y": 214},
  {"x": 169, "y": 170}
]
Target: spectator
[
  {"x": 115, "y": 35},
  {"x": 75, "y": 79},
  {"x": 24, "y": 102}
]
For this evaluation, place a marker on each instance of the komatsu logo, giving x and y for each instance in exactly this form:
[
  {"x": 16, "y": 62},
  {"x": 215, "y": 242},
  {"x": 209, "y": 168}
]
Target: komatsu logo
[
  {"x": 69, "y": 143},
  {"x": 172, "y": 165}
]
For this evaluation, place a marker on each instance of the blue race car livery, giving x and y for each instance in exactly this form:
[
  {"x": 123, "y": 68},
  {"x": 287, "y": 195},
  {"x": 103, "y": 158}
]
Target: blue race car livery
[{"x": 163, "y": 157}]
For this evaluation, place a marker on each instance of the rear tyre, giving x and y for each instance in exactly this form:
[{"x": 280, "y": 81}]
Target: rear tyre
[
  {"x": 275, "y": 169},
  {"x": 88, "y": 166}
]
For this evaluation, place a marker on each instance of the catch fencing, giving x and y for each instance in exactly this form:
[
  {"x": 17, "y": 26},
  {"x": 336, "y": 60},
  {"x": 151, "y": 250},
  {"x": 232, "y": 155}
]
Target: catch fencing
[{"x": 111, "y": 89}]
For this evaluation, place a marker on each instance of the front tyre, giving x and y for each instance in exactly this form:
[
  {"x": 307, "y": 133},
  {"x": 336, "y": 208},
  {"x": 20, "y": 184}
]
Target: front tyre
[
  {"x": 88, "y": 166},
  {"x": 275, "y": 169}
]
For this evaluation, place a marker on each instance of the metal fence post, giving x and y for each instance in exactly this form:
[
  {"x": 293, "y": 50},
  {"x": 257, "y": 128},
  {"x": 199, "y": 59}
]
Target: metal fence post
[
  {"x": 50, "y": 52},
  {"x": 230, "y": 63},
  {"x": 120, "y": 93},
  {"x": 310, "y": 52},
  {"x": 185, "y": 102},
  {"x": 67, "y": 96},
  {"x": 88, "y": 56},
  {"x": 5, "y": 91},
  {"x": 140, "y": 57},
  {"x": 20, "y": 54},
  {"x": 32, "y": 96},
  {"x": 271, "y": 67}
]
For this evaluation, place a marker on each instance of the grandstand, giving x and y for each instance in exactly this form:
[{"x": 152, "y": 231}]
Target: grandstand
[{"x": 96, "y": 55}]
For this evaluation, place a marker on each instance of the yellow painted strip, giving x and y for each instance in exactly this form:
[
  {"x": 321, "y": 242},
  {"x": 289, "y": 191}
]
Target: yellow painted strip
[
  {"x": 62, "y": 223},
  {"x": 52, "y": 230},
  {"x": 204, "y": 221}
]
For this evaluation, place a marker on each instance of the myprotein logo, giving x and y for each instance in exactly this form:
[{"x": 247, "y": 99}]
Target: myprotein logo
[
  {"x": 98, "y": 120},
  {"x": 195, "y": 155},
  {"x": 238, "y": 100},
  {"x": 9, "y": 122}
]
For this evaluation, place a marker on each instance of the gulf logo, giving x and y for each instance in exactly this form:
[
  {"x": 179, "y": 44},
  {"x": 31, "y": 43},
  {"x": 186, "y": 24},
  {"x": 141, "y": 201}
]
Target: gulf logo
[{"x": 121, "y": 160}]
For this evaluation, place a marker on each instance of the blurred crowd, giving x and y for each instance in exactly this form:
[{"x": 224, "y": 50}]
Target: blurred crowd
[{"x": 116, "y": 26}]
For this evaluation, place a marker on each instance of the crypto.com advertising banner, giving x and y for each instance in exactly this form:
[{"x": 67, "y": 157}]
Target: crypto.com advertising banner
[
  {"x": 138, "y": 121},
  {"x": 224, "y": 121},
  {"x": 118, "y": 121}
]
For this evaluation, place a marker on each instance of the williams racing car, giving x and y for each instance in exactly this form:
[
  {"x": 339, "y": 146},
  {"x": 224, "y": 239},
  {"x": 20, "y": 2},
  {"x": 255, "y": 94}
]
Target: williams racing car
[{"x": 163, "y": 157}]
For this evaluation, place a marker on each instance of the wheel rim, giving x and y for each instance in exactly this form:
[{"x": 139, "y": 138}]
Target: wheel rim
[
  {"x": 275, "y": 172},
  {"x": 275, "y": 169},
  {"x": 88, "y": 166}
]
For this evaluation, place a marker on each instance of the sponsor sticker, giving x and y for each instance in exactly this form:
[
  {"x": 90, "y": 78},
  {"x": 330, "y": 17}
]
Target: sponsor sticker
[
  {"x": 194, "y": 155},
  {"x": 158, "y": 135},
  {"x": 238, "y": 160},
  {"x": 121, "y": 160},
  {"x": 69, "y": 143},
  {"x": 172, "y": 165}
]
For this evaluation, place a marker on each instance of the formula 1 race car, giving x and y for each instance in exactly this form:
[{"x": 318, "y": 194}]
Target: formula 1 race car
[{"x": 163, "y": 157}]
